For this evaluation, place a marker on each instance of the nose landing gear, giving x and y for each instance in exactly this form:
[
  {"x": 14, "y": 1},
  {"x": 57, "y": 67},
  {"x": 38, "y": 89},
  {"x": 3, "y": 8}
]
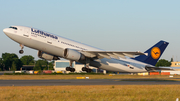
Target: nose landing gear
[{"x": 21, "y": 51}]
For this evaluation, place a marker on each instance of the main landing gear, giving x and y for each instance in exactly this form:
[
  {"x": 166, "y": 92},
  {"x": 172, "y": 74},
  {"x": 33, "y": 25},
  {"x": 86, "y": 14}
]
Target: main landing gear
[
  {"x": 86, "y": 68},
  {"x": 70, "y": 68},
  {"x": 21, "y": 51}
]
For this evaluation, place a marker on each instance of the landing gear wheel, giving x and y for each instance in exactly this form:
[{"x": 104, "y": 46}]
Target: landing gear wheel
[
  {"x": 88, "y": 70},
  {"x": 68, "y": 68},
  {"x": 84, "y": 69},
  {"x": 21, "y": 51},
  {"x": 72, "y": 70}
]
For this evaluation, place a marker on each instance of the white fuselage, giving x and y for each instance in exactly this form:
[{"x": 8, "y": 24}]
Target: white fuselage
[{"x": 55, "y": 45}]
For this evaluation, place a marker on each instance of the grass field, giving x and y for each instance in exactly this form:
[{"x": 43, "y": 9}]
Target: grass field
[{"x": 91, "y": 93}]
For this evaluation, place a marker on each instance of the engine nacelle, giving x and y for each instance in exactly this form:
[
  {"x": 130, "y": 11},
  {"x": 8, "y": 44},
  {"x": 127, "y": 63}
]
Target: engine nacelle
[
  {"x": 47, "y": 56},
  {"x": 73, "y": 55}
]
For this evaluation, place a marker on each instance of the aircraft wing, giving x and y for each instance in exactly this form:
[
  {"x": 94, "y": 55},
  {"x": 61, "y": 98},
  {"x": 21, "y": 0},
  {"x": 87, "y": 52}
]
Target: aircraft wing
[{"x": 111, "y": 54}]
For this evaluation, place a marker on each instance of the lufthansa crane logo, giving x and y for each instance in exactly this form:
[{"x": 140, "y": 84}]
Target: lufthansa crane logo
[{"x": 155, "y": 52}]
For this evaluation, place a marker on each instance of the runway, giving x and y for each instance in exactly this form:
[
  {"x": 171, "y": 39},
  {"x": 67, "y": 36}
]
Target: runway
[{"x": 85, "y": 82}]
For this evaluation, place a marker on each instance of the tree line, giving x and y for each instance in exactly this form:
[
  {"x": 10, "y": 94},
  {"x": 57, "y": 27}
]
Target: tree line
[
  {"x": 164, "y": 63},
  {"x": 10, "y": 61}
]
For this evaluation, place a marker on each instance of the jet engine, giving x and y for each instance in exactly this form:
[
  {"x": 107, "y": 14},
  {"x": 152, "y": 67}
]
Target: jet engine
[
  {"x": 47, "y": 56},
  {"x": 73, "y": 55}
]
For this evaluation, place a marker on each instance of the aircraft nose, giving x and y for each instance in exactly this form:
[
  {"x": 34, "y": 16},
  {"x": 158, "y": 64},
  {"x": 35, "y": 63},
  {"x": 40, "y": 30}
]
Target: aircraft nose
[{"x": 5, "y": 30}]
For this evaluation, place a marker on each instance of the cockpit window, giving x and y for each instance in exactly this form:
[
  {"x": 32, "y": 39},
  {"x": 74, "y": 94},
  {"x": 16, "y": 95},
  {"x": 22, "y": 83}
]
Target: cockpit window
[{"x": 13, "y": 27}]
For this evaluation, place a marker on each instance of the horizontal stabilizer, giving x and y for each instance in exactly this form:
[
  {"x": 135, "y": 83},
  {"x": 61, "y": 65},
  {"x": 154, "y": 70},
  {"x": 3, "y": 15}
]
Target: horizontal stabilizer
[{"x": 149, "y": 68}]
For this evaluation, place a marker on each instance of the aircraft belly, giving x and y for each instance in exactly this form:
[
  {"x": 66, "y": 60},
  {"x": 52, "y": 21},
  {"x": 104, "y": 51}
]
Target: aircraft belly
[
  {"x": 117, "y": 66},
  {"x": 38, "y": 45},
  {"x": 104, "y": 66}
]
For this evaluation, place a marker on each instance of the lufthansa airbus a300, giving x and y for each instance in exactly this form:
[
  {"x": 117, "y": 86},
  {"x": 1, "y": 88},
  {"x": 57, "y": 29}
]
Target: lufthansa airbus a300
[{"x": 52, "y": 47}]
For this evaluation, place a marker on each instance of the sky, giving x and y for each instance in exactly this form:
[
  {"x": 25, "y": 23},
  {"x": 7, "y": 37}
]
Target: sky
[{"x": 113, "y": 25}]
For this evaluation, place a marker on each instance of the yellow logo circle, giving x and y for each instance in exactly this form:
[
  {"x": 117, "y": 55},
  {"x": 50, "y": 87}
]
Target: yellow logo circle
[{"x": 155, "y": 52}]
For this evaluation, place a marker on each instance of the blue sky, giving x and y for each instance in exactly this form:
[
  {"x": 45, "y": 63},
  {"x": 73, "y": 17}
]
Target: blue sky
[{"x": 117, "y": 25}]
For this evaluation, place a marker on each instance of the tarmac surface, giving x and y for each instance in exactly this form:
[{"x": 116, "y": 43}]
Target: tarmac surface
[{"x": 86, "y": 82}]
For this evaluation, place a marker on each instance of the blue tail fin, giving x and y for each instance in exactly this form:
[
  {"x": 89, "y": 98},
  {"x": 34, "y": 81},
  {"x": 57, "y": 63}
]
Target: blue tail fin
[{"x": 154, "y": 53}]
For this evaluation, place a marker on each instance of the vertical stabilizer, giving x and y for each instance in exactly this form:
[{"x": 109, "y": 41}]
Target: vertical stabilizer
[{"x": 154, "y": 53}]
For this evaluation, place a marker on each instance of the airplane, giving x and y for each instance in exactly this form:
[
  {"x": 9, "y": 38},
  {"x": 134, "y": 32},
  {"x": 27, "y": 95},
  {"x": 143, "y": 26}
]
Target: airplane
[{"x": 53, "y": 47}]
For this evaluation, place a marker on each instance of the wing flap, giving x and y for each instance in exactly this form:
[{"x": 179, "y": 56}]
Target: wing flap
[
  {"x": 89, "y": 54},
  {"x": 129, "y": 55},
  {"x": 104, "y": 55},
  {"x": 112, "y": 55},
  {"x": 119, "y": 55}
]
